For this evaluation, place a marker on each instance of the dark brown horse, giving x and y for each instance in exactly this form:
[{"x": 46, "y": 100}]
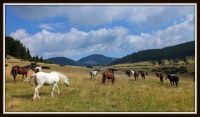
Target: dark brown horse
[
  {"x": 136, "y": 75},
  {"x": 160, "y": 75},
  {"x": 20, "y": 70},
  {"x": 173, "y": 78},
  {"x": 142, "y": 74},
  {"x": 108, "y": 75}
]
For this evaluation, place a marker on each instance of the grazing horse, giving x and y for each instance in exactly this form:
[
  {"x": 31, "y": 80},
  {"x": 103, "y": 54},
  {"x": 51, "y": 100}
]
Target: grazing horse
[
  {"x": 93, "y": 74},
  {"x": 160, "y": 75},
  {"x": 173, "y": 79},
  {"x": 157, "y": 74},
  {"x": 129, "y": 73},
  {"x": 142, "y": 74},
  {"x": 37, "y": 69},
  {"x": 20, "y": 70},
  {"x": 136, "y": 75},
  {"x": 52, "y": 78},
  {"x": 108, "y": 75}
]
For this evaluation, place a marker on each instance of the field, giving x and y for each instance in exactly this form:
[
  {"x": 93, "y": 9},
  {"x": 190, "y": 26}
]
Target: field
[{"x": 86, "y": 95}]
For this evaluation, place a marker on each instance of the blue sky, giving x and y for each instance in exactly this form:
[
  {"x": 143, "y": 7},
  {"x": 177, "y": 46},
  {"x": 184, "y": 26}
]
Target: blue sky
[{"x": 78, "y": 31}]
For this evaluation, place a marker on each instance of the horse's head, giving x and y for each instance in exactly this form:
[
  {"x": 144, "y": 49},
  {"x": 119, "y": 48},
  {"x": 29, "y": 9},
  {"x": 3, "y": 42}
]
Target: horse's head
[
  {"x": 66, "y": 81},
  {"x": 32, "y": 66}
]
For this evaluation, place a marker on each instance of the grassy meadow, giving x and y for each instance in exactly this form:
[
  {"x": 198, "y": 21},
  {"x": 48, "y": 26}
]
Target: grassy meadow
[{"x": 86, "y": 95}]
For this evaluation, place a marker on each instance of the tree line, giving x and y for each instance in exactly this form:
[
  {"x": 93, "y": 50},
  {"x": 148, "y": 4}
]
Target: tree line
[
  {"x": 16, "y": 49},
  {"x": 177, "y": 52}
]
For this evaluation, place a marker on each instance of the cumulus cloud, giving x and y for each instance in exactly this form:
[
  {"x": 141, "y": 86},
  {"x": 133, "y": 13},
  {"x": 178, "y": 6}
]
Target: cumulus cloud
[
  {"x": 97, "y": 15},
  {"x": 108, "y": 41}
]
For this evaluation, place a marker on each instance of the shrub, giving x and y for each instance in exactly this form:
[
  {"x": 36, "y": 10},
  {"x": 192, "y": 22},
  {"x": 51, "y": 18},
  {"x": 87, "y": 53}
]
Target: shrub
[
  {"x": 182, "y": 69},
  {"x": 61, "y": 65},
  {"x": 45, "y": 67}
]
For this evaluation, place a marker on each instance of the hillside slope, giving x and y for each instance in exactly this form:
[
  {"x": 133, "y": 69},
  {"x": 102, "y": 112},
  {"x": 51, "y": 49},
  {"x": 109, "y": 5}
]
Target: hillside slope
[
  {"x": 173, "y": 52},
  {"x": 63, "y": 61}
]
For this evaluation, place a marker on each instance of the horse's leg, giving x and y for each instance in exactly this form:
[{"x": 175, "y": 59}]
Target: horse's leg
[
  {"x": 177, "y": 84},
  {"x": 36, "y": 94},
  {"x": 22, "y": 77},
  {"x": 58, "y": 89},
  {"x": 113, "y": 80},
  {"x": 14, "y": 76},
  {"x": 52, "y": 93},
  {"x": 103, "y": 80},
  {"x": 171, "y": 83},
  {"x": 30, "y": 79}
]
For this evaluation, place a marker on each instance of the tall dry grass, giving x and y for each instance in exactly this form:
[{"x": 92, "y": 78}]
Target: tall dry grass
[{"x": 86, "y": 95}]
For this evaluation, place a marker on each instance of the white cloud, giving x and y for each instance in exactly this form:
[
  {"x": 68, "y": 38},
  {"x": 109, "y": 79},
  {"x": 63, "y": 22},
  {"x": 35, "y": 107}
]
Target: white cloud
[
  {"x": 97, "y": 15},
  {"x": 109, "y": 41}
]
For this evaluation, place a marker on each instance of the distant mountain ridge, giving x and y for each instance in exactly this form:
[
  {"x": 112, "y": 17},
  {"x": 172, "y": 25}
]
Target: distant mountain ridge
[
  {"x": 63, "y": 61},
  {"x": 179, "y": 51},
  {"x": 96, "y": 59}
]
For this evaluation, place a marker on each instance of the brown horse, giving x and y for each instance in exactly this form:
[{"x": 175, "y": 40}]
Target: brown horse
[
  {"x": 136, "y": 75},
  {"x": 160, "y": 75},
  {"x": 20, "y": 70},
  {"x": 108, "y": 75}
]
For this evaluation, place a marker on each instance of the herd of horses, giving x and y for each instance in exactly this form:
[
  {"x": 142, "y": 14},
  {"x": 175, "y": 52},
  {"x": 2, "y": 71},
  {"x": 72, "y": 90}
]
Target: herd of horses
[{"x": 41, "y": 78}]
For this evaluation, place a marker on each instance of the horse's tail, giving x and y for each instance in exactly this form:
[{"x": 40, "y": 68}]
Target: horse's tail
[
  {"x": 13, "y": 72},
  {"x": 113, "y": 79},
  {"x": 33, "y": 78}
]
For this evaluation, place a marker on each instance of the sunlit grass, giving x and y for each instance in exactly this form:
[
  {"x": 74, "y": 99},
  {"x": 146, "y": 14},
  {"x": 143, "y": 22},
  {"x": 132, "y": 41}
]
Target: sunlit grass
[{"x": 86, "y": 95}]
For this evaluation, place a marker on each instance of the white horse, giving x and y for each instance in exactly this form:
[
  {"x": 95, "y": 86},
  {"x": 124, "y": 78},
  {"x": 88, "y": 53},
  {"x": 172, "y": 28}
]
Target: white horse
[
  {"x": 93, "y": 74},
  {"x": 52, "y": 78},
  {"x": 37, "y": 69}
]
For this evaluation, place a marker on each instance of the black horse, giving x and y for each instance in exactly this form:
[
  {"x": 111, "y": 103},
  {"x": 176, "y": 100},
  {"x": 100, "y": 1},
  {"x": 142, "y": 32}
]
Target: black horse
[{"x": 173, "y": 79}]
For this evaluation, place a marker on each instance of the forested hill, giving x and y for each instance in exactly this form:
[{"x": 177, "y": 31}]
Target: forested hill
[
  {"x": 173, "y": 52},
  {"x": 16, "y": 49}
]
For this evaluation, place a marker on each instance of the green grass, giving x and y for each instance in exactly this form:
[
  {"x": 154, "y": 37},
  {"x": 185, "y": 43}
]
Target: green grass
[{"x": 86, "y": 95}]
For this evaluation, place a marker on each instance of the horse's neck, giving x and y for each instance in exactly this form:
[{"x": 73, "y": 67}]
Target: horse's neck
[{"x": 28, "y": 67}]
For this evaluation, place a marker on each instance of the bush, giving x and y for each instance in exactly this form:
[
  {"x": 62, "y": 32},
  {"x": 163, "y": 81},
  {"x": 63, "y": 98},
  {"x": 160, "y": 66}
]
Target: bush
[
  {"x": 174, "y": 70},
  {"x": 45, "y": 67},
  {"x": 61, "y": 65},
  {"x": 90, "y": 67},
  {"x": 154, "y": 70},
  {"x": 182, "y": 70},
  {"x": 6, "y": 65}
]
